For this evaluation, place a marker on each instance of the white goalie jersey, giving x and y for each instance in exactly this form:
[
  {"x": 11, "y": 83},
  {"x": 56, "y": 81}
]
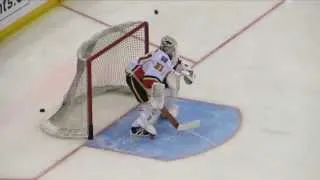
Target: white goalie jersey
[{"x": 153, "y": 67}]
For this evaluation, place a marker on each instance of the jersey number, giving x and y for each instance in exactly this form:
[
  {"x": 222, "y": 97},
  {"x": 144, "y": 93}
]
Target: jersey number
[{"x": 158, "y": 67}]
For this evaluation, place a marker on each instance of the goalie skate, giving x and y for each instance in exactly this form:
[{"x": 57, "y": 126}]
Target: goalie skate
[{"x": 140, "y": 132}]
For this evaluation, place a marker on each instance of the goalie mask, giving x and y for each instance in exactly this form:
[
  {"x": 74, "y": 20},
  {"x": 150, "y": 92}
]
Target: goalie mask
[{"x": 169, "y": 46}]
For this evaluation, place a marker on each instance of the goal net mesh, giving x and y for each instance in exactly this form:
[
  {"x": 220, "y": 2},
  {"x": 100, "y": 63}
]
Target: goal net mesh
[{"x": 100, "y": 69}]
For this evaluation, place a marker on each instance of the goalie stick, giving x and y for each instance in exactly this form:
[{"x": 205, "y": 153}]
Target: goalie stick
[{"x": 164, "y": 112}]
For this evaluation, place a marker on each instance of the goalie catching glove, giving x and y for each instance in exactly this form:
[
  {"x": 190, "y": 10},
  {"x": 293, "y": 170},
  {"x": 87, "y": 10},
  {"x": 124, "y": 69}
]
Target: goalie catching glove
[
  {"x": 187, "y": 73},
  {"x": 188, "y": 76}
]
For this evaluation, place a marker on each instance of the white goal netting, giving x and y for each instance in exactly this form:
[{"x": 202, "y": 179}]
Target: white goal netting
[{"x": 100, "y": 69}]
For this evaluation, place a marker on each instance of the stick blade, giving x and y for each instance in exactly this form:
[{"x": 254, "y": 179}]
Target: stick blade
[{"x": 190, "y": 125}]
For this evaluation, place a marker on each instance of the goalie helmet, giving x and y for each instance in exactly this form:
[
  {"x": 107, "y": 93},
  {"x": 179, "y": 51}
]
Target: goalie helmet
[{"x": 169, "y": 46}]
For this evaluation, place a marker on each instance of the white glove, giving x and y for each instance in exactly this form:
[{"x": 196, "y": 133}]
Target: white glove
[{"x": 188, "y": 74}]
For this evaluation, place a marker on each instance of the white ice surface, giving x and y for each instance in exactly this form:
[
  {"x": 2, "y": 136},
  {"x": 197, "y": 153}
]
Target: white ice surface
[{"x": 271, "y": 72}]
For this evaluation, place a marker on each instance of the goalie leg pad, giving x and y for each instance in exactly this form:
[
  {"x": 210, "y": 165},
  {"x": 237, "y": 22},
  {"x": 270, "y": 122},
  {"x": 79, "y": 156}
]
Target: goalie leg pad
[
  {"x": 173, "y": 82},
  {"x": 150, "y": 111},
  {"x": 146, "y": 119},
  {"x": 157, "y": 96},
  {"x": 170, "y": 104}
]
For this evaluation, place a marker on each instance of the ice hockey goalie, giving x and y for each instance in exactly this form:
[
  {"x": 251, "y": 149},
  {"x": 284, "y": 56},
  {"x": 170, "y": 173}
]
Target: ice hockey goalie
[{"x": 154, "y": 79}]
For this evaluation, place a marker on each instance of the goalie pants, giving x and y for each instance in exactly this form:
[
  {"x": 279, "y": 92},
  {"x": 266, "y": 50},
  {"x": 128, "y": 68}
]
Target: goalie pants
[
  {"x": 140, "y": 93},
  {"x": 135, "y": 87}
]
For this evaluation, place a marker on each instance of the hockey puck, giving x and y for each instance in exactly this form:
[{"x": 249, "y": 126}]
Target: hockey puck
[
  {"x": 42, "y": 110},
  {"x": 156, "y": 11}
]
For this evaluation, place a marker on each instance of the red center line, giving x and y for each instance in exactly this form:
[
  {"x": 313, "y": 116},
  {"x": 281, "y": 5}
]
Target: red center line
[{"x": 234, "y": 36}]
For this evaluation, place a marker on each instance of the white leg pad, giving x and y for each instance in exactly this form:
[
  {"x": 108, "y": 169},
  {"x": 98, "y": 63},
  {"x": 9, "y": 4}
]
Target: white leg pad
[
  {"x": 141, "y": 122},
  {"x": 170, "y": 104},
  {"x": 147, "y": 118},
  {"x": 157, "y": 97},
  {"x": 173, "y": 81},
  {"x": 174, "y": 110},
  {"x": 172, "y": 107}
]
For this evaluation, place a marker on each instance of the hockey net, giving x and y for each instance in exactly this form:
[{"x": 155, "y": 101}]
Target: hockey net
[{"x": 100, "y": 70}]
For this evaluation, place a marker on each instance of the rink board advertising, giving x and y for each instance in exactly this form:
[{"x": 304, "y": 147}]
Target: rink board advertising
[{"x": 12, "y": 10}]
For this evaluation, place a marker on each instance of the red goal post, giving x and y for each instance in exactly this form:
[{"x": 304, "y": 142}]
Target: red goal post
[{"x": 100, "y": 69}]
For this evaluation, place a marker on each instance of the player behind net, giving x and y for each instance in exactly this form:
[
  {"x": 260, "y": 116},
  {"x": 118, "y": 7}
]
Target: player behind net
[{"x": 154, "y": 79}]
